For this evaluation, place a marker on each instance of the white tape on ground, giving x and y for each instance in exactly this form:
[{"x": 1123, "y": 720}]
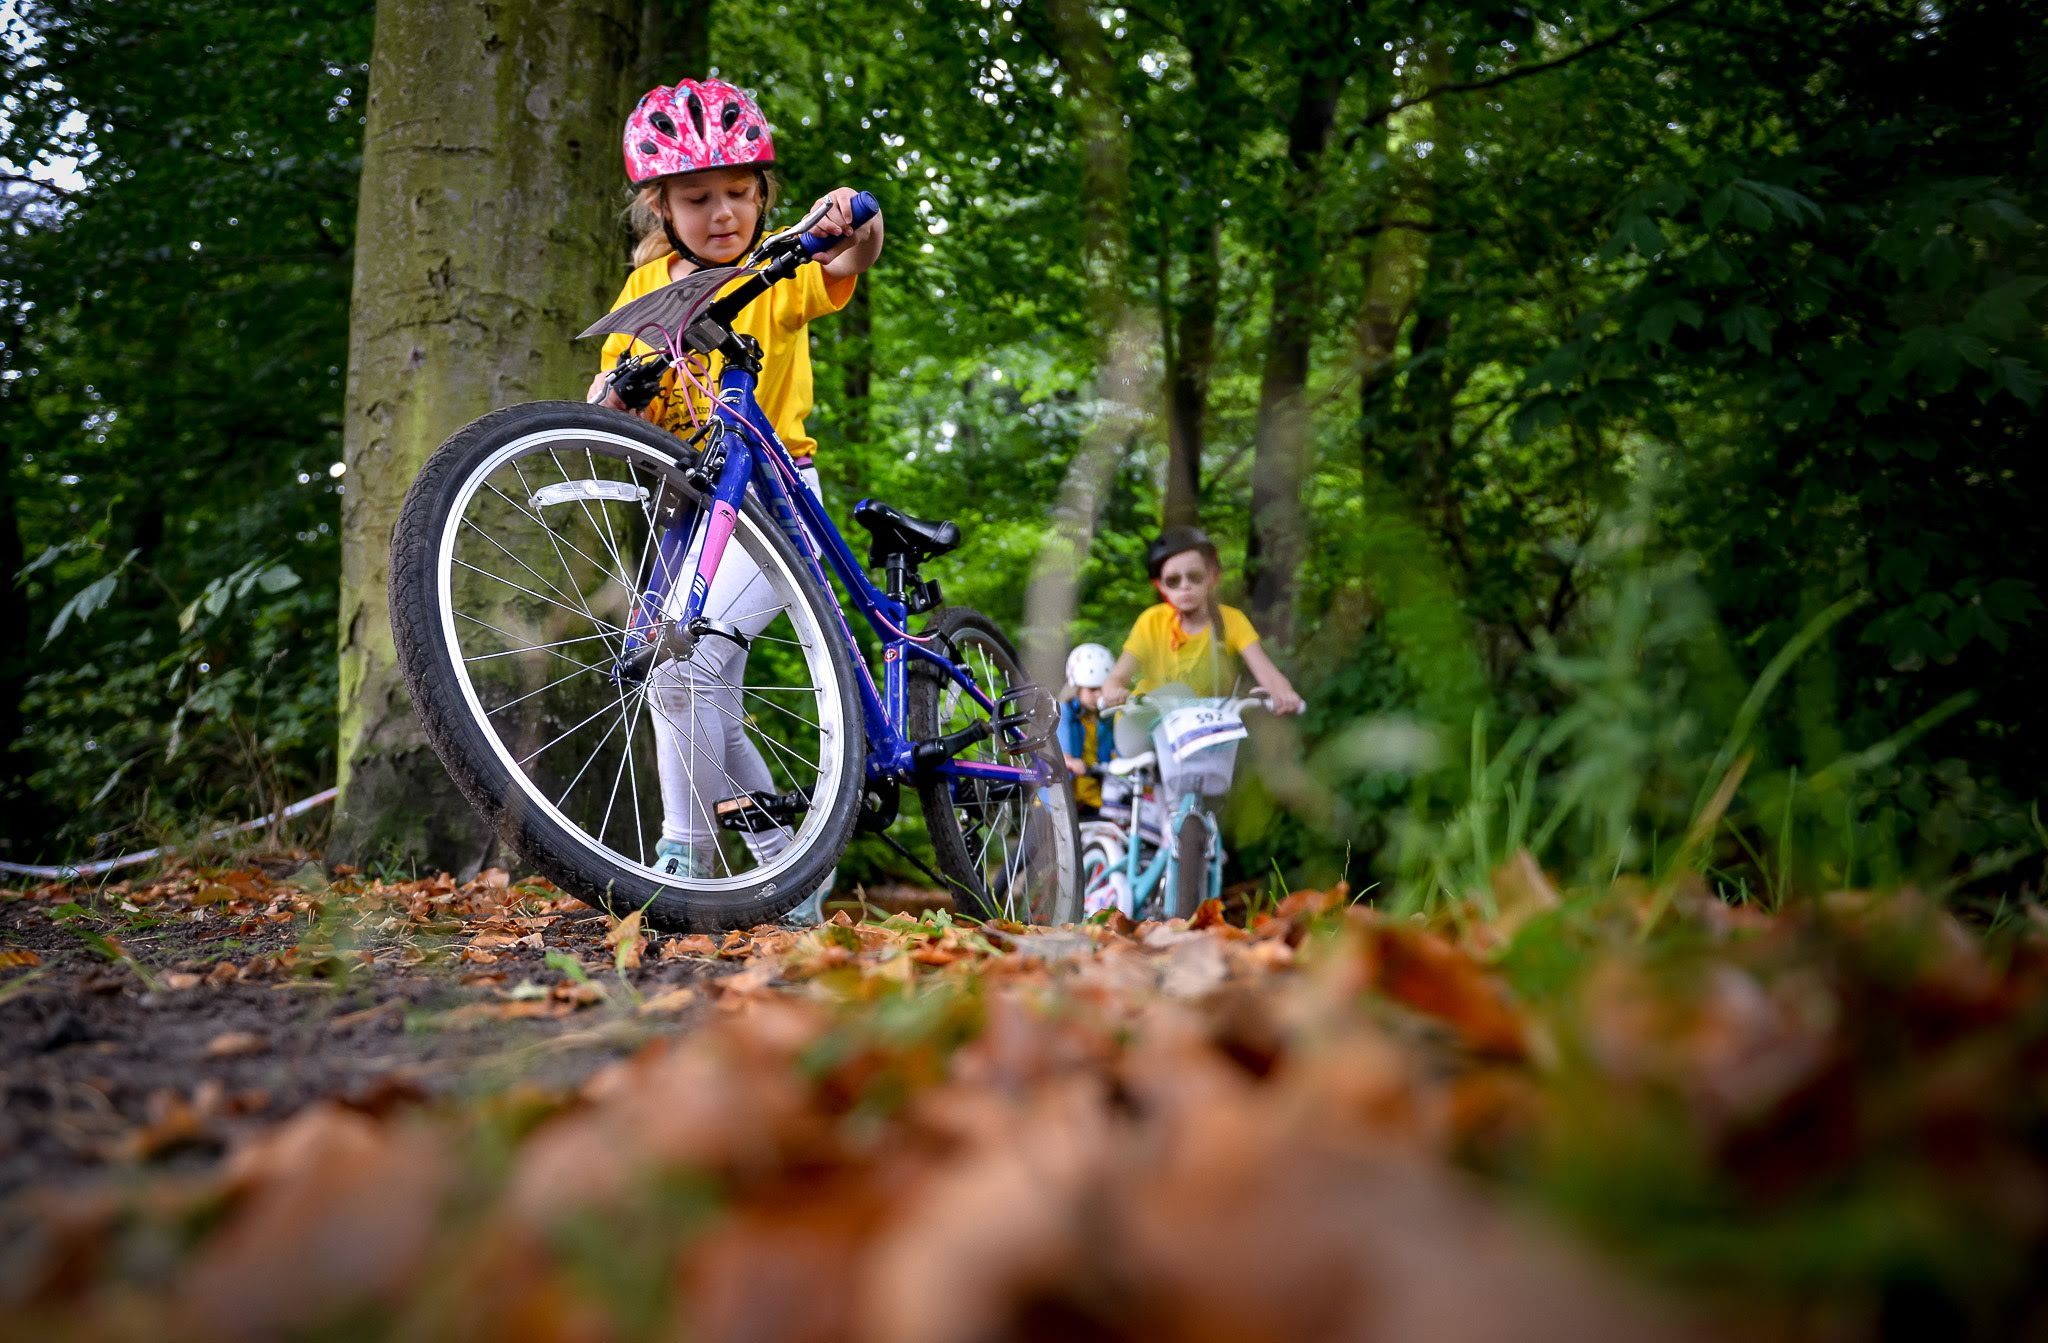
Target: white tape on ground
[{"x": 71, "y": 871}]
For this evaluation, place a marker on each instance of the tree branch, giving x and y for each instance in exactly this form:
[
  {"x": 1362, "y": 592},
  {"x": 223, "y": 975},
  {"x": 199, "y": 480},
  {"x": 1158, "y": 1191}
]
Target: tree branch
[
  {"x": 50, "y": 187},
  {"x": 1386, "y": 113}
]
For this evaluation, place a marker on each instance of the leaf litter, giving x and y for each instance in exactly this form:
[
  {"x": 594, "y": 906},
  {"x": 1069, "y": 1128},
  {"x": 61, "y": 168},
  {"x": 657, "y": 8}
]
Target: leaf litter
[{"x": 1330, "y": 1123}]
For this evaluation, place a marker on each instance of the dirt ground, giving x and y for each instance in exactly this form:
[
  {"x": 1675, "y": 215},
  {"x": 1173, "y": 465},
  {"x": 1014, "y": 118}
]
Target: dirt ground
[{"x": 155, "y": 1023}]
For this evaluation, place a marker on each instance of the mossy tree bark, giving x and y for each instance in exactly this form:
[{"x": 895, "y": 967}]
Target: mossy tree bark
[{"x": 489, "y": 233}]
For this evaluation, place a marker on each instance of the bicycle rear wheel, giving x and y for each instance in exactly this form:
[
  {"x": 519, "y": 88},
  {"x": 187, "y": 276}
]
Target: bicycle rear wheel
[
  {"x": 1011, "y": 851},
  {"x": 521, "y": 565}
]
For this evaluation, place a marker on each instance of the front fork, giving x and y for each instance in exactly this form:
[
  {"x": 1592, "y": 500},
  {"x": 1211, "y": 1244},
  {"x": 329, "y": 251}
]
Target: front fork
[{"x": 657, "y": 630}]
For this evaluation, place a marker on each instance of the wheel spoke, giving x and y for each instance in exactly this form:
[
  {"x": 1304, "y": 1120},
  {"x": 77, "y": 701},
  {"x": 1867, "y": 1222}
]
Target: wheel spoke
[
  {"x": 528, "y": 648},
  {"x": 535, "y": 595},
  {"x": 712, "y": 725},
  {"x": 522, "y": 762},
  {"x": 537, "y": 520}
]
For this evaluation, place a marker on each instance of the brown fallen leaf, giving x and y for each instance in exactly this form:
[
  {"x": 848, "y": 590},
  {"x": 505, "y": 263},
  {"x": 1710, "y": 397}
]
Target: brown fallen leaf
[
  {"x": 173, "y": 1122},
  {"x": 1194, "y": 968},
  {"x": 1521, "y": 891},
  {"x": 11, "y": 957},
  {"x": 624, "y": 940},
  {"x": 178, "y": 980},
  {"x": 675, "y": 1000},
  {"x": 232, "y": 1044},
  {"x": 311, "y": 1227},
  {"x": 524, "y": 1009},
  {"x": 391, "y": 1009},
  {"x": 1423, "y": 971}
]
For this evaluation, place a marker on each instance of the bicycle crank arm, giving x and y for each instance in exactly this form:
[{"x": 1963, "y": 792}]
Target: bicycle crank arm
[{"x": 931, "y": 754}]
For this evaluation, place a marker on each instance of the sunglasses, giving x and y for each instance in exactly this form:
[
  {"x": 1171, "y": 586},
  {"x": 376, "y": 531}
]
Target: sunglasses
[{"x": 1178, "y": 581}]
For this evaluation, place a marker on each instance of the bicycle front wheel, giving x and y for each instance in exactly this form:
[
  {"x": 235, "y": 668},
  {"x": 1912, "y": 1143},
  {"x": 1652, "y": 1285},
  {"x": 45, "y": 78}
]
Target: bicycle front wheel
[
  {"x": 1011, "y": 851},
  {"x": 1190, "y": 865},
  {"x": 714, "y": 785}
]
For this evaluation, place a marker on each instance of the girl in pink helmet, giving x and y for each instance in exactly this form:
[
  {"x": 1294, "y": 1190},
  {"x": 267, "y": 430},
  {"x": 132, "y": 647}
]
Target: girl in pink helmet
[{"x": 701, "y": 155}]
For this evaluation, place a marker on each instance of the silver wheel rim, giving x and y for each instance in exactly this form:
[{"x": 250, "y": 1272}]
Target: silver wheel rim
[{"x": 634, "y": 467}]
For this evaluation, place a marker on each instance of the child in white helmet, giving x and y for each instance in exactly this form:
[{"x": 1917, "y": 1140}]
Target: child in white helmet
[{"x": 1087, "y": 747}]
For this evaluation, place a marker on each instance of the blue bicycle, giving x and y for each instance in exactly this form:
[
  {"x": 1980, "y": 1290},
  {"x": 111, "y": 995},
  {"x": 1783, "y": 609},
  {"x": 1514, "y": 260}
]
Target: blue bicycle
[{"x": 625, "y": 648}]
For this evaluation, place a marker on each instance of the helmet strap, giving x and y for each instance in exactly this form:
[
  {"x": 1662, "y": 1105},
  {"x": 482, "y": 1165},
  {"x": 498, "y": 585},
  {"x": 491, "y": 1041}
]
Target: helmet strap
[{"x": 675, "y": 240}]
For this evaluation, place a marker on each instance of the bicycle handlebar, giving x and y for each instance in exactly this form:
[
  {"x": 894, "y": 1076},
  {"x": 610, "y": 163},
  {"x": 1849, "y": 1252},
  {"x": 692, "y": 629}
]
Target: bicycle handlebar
[
  {"x": 637, "y": 380},
  {"x": 864, "y": 208},
  {"x": 1256, "y": 695}
]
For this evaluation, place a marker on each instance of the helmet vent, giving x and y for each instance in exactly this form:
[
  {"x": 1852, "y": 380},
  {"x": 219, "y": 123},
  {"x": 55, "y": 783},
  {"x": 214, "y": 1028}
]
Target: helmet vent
[
  {"x": 729, "y": 117},
  {"x": 647, "y": 147},
  {"x": 753, "y": 132},
  {"x": 661, "y": 122},
  {"x": 696, "y": 107}
]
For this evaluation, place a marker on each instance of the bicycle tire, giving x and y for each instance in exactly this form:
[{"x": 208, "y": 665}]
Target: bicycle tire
[
  {"x": 483, "y": 773},
  {"x": 1052, "y": 831},
  {"x": 1191, "y": 865}
]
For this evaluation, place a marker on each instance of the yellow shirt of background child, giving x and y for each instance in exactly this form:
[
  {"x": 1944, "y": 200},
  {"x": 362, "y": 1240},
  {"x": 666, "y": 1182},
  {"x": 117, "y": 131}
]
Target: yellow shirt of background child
[
  {"x": 1167, "y": 653},
  {"x": 777, "y": 319}
]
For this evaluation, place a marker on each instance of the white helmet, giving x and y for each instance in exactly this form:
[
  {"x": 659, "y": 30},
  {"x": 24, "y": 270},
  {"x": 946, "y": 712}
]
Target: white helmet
[{"x": 1088, "y": 666}]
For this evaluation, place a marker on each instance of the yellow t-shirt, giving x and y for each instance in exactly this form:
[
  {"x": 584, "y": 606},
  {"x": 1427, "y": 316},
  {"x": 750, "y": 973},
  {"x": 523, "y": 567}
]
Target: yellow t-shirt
[
  {"x": 777, "y": 319},
  {"x": 1167, "y": 653}
]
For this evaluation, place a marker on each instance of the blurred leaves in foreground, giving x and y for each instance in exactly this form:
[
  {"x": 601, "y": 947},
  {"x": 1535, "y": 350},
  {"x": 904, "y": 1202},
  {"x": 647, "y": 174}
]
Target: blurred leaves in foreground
[{"x": 1620, "y": 1112}]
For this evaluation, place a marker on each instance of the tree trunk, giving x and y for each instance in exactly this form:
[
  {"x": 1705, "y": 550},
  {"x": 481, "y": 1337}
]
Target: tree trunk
[
  {"x": 1049, "y": 605},
  {"x": 1280, "y": 451},
  {"x": 674, "y": 42},
  {"x": 1191, "y": 341},
  {"x": 857, "y": 353},
  {"x": 487, "y": 237}
]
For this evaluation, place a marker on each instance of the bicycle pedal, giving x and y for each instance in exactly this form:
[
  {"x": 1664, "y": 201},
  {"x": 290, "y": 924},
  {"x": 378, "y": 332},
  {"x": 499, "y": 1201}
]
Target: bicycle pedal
[
  {"x": 1025, "y": 719},
  {"x": 757, "y": 813}
]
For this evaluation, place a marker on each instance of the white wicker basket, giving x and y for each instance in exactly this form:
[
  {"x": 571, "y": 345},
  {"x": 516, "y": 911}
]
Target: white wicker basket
[{"x": 1196, "y": 744}]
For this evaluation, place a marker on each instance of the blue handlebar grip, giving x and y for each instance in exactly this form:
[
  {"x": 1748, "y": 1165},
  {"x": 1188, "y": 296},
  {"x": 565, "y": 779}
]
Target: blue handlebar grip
[{"x": 865, "y": 207}]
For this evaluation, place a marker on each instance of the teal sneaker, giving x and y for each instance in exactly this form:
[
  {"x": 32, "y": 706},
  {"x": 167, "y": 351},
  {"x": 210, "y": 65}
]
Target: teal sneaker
[{"x": 673, "y": 858}]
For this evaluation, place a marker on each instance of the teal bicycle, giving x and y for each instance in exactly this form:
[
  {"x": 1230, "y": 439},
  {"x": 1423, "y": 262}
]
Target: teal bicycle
[{"x": 1166, "y": 856}]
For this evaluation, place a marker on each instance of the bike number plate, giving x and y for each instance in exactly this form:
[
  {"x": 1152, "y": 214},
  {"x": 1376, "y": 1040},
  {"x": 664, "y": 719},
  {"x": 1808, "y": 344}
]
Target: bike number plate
[{"x": 1197, "y": 727}]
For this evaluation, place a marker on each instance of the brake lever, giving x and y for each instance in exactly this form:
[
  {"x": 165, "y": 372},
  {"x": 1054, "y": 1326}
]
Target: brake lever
[{"x": 778, "y": 243}]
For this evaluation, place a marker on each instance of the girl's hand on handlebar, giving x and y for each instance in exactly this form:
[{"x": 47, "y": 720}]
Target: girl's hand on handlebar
[
  {"x": 1284, "y": 700},
  {"x": 856, "y": 248},
  {"x": 1113, "y": 695},
  {"x": 601, "y": 394},
  {"x": 837, "y": 221}
]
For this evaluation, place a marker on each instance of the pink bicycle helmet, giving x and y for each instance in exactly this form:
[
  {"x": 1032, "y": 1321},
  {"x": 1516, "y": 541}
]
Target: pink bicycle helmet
[{"x": 698, "y": 124}]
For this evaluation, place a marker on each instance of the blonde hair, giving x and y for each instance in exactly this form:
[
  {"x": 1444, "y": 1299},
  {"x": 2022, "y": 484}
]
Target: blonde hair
[{"x": 644, "y": 213}]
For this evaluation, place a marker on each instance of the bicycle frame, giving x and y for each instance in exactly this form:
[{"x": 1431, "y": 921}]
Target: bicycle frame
[
  {"x": 1163, "y": 868},
  {"x": 755, "y": 456}
]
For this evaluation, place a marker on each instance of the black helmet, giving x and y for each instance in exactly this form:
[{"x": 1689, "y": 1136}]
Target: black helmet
[{"x": 1174, "y": 541}]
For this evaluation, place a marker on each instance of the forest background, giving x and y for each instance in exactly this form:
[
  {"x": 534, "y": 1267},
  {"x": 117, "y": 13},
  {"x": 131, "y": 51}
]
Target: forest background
[{"x": 1622, "y": 418}]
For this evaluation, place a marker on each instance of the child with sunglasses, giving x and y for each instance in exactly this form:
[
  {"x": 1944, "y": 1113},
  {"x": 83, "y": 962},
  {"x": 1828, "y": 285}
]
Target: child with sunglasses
[{"x": 1190, "y": 644}]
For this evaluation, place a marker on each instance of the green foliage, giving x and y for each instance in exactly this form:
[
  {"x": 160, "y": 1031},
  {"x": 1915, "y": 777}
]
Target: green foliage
[
  {"x": 1674, "y": 395},
  {"x": 174, "y": 334}
]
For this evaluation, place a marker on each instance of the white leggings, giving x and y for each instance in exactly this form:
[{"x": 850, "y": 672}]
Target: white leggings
[{"x": 705, "y": 754}]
